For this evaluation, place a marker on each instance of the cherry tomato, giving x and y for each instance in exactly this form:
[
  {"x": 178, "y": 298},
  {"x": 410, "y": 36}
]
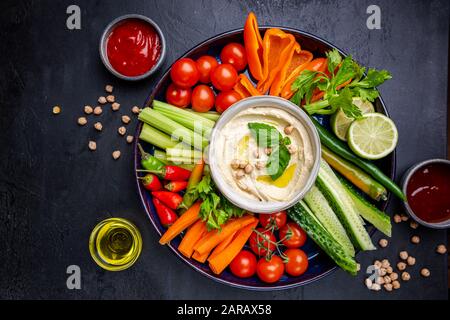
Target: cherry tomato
[
  {"x": 205, "y": 65},
  {"x": 225, "y": 99},
  {"x": 298, "y": 262},
  {"x": 184, "y": 73},
  {"x": 202, "y": 98},
  {"x": 244, "y": 264},
  {"x": 297, "y": 237},
  {"x": 270, "y": 271},
  {"x": 277, "y": 219},
  {"x": 262, "y": 242},
  {"x": 224, "y": 77},
  {"x": 178, "y": 96},
  {"x": 234, "y": 54}
]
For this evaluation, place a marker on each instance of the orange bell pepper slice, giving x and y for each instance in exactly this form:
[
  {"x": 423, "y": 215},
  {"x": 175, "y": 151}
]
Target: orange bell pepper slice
[
  {"x": 318, "y": 64},
  {"x": 277, "y": 47},
  {"x": 253, "y": 46},
  {"x": 245, "y": 87}
]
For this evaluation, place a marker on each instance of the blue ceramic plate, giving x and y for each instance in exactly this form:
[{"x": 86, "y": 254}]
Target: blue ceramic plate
[{"x": 319, "y": 263}]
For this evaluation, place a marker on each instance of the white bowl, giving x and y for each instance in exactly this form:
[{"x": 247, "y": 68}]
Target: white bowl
[{"x": 247, "y": 203}]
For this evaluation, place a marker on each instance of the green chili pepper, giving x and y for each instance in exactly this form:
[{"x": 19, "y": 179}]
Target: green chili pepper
[{"x": 150, "y": 162}]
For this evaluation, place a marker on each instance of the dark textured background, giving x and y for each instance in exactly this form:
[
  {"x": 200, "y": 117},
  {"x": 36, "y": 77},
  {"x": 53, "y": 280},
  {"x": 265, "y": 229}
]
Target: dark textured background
[{"x": 53, "y": 190}]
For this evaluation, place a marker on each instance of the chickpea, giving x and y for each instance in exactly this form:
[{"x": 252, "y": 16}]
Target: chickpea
[
  {"x": 397, "y": 218},
  {"x": 393, "y": 276},
  {"x": 404, "y": 217},
  {"x": 413, "y": 224},
  {"x": 98, "y": 110},
  {"x": 242, "y": 164},
  {"x": 406, "y": 276},
  {"x": 377, "y": 264},
  {"x": 110, "y": 98},
  {"x": 98, "y": 126},
  {"x": 88, "y": 109},
  {"x": 441, "y": 249},
  {"x": 411, "y": 261},
  {"x": 368, "y": 283},
  {"x": 383, "y": 243},
  {"x": 388, "y": 287},
  {"x": 116, "y": 154},
  {"x": 239, "y": 174},
  {"x": 288, "y": 130},
  {"x": 122, "y": 131},
  {"x": 379, "y": 280},
  {"x": 403, "y": 255},
  {"x": 102, "y": 100},
  {"x": 109, "y": 88},
  {"x": 235, "y": 164},
  {"x": 389, "y": 270},
  {"x": 130, "y": 139},
  {"x": 415, "y": 239},
  {"x": 401, "y": 266},
  {"x": 425, "y": 272},
  {"x": 375, "y": 287},
  {"x": 385, "y": 263},
  {"x": 396, "y": 284},
  {"x": 292, "y": 149},
  {"x": 248, "y": 168},
  {"x": 92, "y": 145},
  {"x": 260, "y": 165},
  {"x": 135, "y": 109},
  {"x": 126, "y": 119},
  {"x": 56, "y": 110},
  {"x": 115, "y": 106},
  {"x": 387, "y": 279},
  {"x": 382, "y": 272},
  {"x": 82, "y": 121}
]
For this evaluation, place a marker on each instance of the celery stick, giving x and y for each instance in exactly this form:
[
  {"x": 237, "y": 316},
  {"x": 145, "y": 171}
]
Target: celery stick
[
  {"x": 183, "y": 153},
  {"x": 160, "y": 155},
  {"x": 211, "y": 115},
  {"x": 176, "y": 130},
  {"x": 156, "y": 137}
]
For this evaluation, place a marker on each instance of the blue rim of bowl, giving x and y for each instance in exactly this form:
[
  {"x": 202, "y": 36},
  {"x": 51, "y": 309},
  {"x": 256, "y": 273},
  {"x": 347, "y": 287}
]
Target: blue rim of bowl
[
  {"x": 405, "y": 180},
  {"x": 268, "y": 287},
  {"x": 107, "y": 32}
]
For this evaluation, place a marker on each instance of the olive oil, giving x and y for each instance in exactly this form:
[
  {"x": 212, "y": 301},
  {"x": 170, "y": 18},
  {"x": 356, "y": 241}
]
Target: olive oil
[
  {"x": 115, "y": 244},
  {"x": 282, "y": 181}
]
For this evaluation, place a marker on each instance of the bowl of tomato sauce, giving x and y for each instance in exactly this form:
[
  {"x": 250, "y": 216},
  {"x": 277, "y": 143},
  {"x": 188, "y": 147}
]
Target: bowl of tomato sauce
[
  {"x": 132, "y": 47},
  {"x": 427, "y": 189}
]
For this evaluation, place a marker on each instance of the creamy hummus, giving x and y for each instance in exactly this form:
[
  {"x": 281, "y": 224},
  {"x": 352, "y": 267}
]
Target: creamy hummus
[{"x": 243, "y": 163}]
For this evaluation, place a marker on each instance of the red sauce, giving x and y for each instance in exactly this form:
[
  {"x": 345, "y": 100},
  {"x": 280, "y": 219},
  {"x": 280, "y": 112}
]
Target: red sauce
[
  {"x": 428, "y": 192},
  {"x": 133, "y": 47}
]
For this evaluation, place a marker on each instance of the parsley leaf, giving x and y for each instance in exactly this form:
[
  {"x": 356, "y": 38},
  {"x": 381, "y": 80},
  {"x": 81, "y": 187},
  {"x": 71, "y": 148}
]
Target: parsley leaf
[
  {"x": 349, "y": 69},
  {"x": 344, "y": 101},
  {"x": 373, "y": 79},
  {"x": 334, "y": 59},
  {"x": 305, "y": 83},
  {"x": 365, "y": 94}
]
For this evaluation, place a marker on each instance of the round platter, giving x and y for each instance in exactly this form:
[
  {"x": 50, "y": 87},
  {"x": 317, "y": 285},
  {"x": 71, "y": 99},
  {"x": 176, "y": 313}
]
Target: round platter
[{"x": 319, "y": 263}]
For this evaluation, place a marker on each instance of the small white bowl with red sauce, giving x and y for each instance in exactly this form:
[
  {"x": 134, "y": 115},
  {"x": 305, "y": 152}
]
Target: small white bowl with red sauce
[
  {"x": 132, "y": 47},
  {"x": 427, "y": 189}
]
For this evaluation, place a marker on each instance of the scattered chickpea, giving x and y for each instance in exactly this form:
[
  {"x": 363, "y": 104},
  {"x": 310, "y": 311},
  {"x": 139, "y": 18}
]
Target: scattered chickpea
[
  {"x": 98, "y": 110},
  {"x": 288, "y": 130},
  {"x": 82, "y": 121},
  {"x": 382, "y": 272},
  {"x": 404, "y": 217},
  {"x": 122, "y": 131},
  {"x": 383, "y": 243},
  {"x": 415, "y": 239},
  {"x": 425, "y": 272},
  {"x": 403, "y": 255},
  {"x": 387, "y": 279},
  {"x": 126, "y": 119},
  {"x": 115, "y": 106},
  {"x": 135, "y": 110},
  {"x": 401, "y": 266},
  {"x": 292, "y": 148},
  {"x": 109, "y": 88},
  {"x": 375, "y": 287},
  {"x": 393, "y": 276},
  {"x": 98, "y": 126},
  {"x": 259, "y": 165},
  {"x": 389, "y": 270},
  {"x": 116, "y": 154},
  {"x": 411, "y": 261},
  {"x": 248, "y": 168},
  {"x": 56, "y": 110},
  {"x": 397, "y": 218},
  {"x": 385, "y": 263},
  {"x": 441, "y": 249},
  {"x": 239, "y": 174},
  {"x": 396, "y": 284},
  {"x": 242, "y": 164},
  {"x": 413, "y": 224},
  {"x": 102, "y": 100},
  {"x": 110, "y": 98},
  {"x": 406, "y": 276},
  {"x": 130, "y": 139},
  {"x": 88, "y": 109},
  {"x": 368, "y": 283},
  {"x": 235, "y": 164},
  {"x": 268, "y": 151},
  {"x": 92, "y": 145},
  {"x": 379, "y": 280},
  {"x": 388, "y": 287}
]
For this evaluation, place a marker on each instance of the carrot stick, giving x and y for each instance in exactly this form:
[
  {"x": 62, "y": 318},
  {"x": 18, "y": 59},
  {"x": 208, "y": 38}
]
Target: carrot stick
[
  {"x": 195, "y": 233},
  {"x": 222, "y": 260},
  {"x": 201, "y": 257},
  {"x": 222, "y": 245},
  {"x": 215, "y": 237},
  {"x": 184, "y": 221}
]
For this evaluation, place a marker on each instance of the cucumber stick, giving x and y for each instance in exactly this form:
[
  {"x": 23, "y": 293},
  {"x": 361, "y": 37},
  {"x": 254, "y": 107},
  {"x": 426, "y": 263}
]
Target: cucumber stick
[
  {"x": 318, "y": 204},
  {"x": 343, "y": 206},
  {"x": 368, "y": 211},
  {"x": 304, "y": 217}
]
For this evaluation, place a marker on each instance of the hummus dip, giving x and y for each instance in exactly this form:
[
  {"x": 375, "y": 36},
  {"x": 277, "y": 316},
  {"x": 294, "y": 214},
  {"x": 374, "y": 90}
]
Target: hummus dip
[{"x": 243, "y": 163}]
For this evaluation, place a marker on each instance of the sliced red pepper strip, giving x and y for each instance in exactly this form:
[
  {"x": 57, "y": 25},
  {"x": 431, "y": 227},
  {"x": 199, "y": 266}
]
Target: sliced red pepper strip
[
  {"x": 253, "y": 46},
  {"x": 318, "y": 64},
  {"x": 277, "y": 47},
  {"x": 245, "y": 87}
]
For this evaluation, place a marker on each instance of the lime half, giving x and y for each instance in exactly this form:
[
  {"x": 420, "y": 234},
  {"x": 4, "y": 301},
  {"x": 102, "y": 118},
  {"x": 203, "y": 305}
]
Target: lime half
[
  {"x": 373, "y": 136},
  {"x": 340, "y": 122}
]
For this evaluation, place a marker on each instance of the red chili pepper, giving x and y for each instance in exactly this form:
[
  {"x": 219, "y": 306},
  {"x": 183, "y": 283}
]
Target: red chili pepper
[
  {"x": 170, "y": 199},
  {"x": 151, "y": 182},
  {"x": 176, "y": 186},
  {"x": 166, "y": 215},
  {"x": 172, "y": 173}
]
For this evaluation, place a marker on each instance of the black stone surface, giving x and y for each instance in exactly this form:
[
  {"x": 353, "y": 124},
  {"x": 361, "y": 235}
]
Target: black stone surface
[{"x": 53, "y": 190}]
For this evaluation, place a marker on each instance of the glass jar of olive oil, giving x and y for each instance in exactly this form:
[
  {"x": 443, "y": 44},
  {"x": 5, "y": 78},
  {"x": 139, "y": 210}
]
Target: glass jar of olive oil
[{"x": 115, "y": 244}]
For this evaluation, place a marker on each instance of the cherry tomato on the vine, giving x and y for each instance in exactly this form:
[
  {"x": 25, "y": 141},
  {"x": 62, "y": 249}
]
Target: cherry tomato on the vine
[
  {"x": 177, "y": 96},
  {"x": 184, "y": 73},
  {"x": 297, "y": 262},
  {"x": 262, "y": 242},
  {"x": 271, "y": 270},
  {"x": 225, "y": 99},
  {"x": 234, "y": 54},
  {"x": 244, "y": 264},
  {"x": 205, "y": 65},
  {"x": 202, "y": 98},
  {"x": 224, "y": 77},
  {"x": 276, "y": 219},
  {"x": 292, "y": 236}
]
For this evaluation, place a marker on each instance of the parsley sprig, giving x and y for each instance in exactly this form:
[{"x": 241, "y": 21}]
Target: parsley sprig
[{"x": 340, "y": 88}]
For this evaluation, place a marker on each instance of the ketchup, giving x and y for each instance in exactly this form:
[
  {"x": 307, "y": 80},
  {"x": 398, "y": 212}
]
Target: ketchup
[
  {"x": 133, "y": 47},
  {"x": 428, "y": 192}
]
